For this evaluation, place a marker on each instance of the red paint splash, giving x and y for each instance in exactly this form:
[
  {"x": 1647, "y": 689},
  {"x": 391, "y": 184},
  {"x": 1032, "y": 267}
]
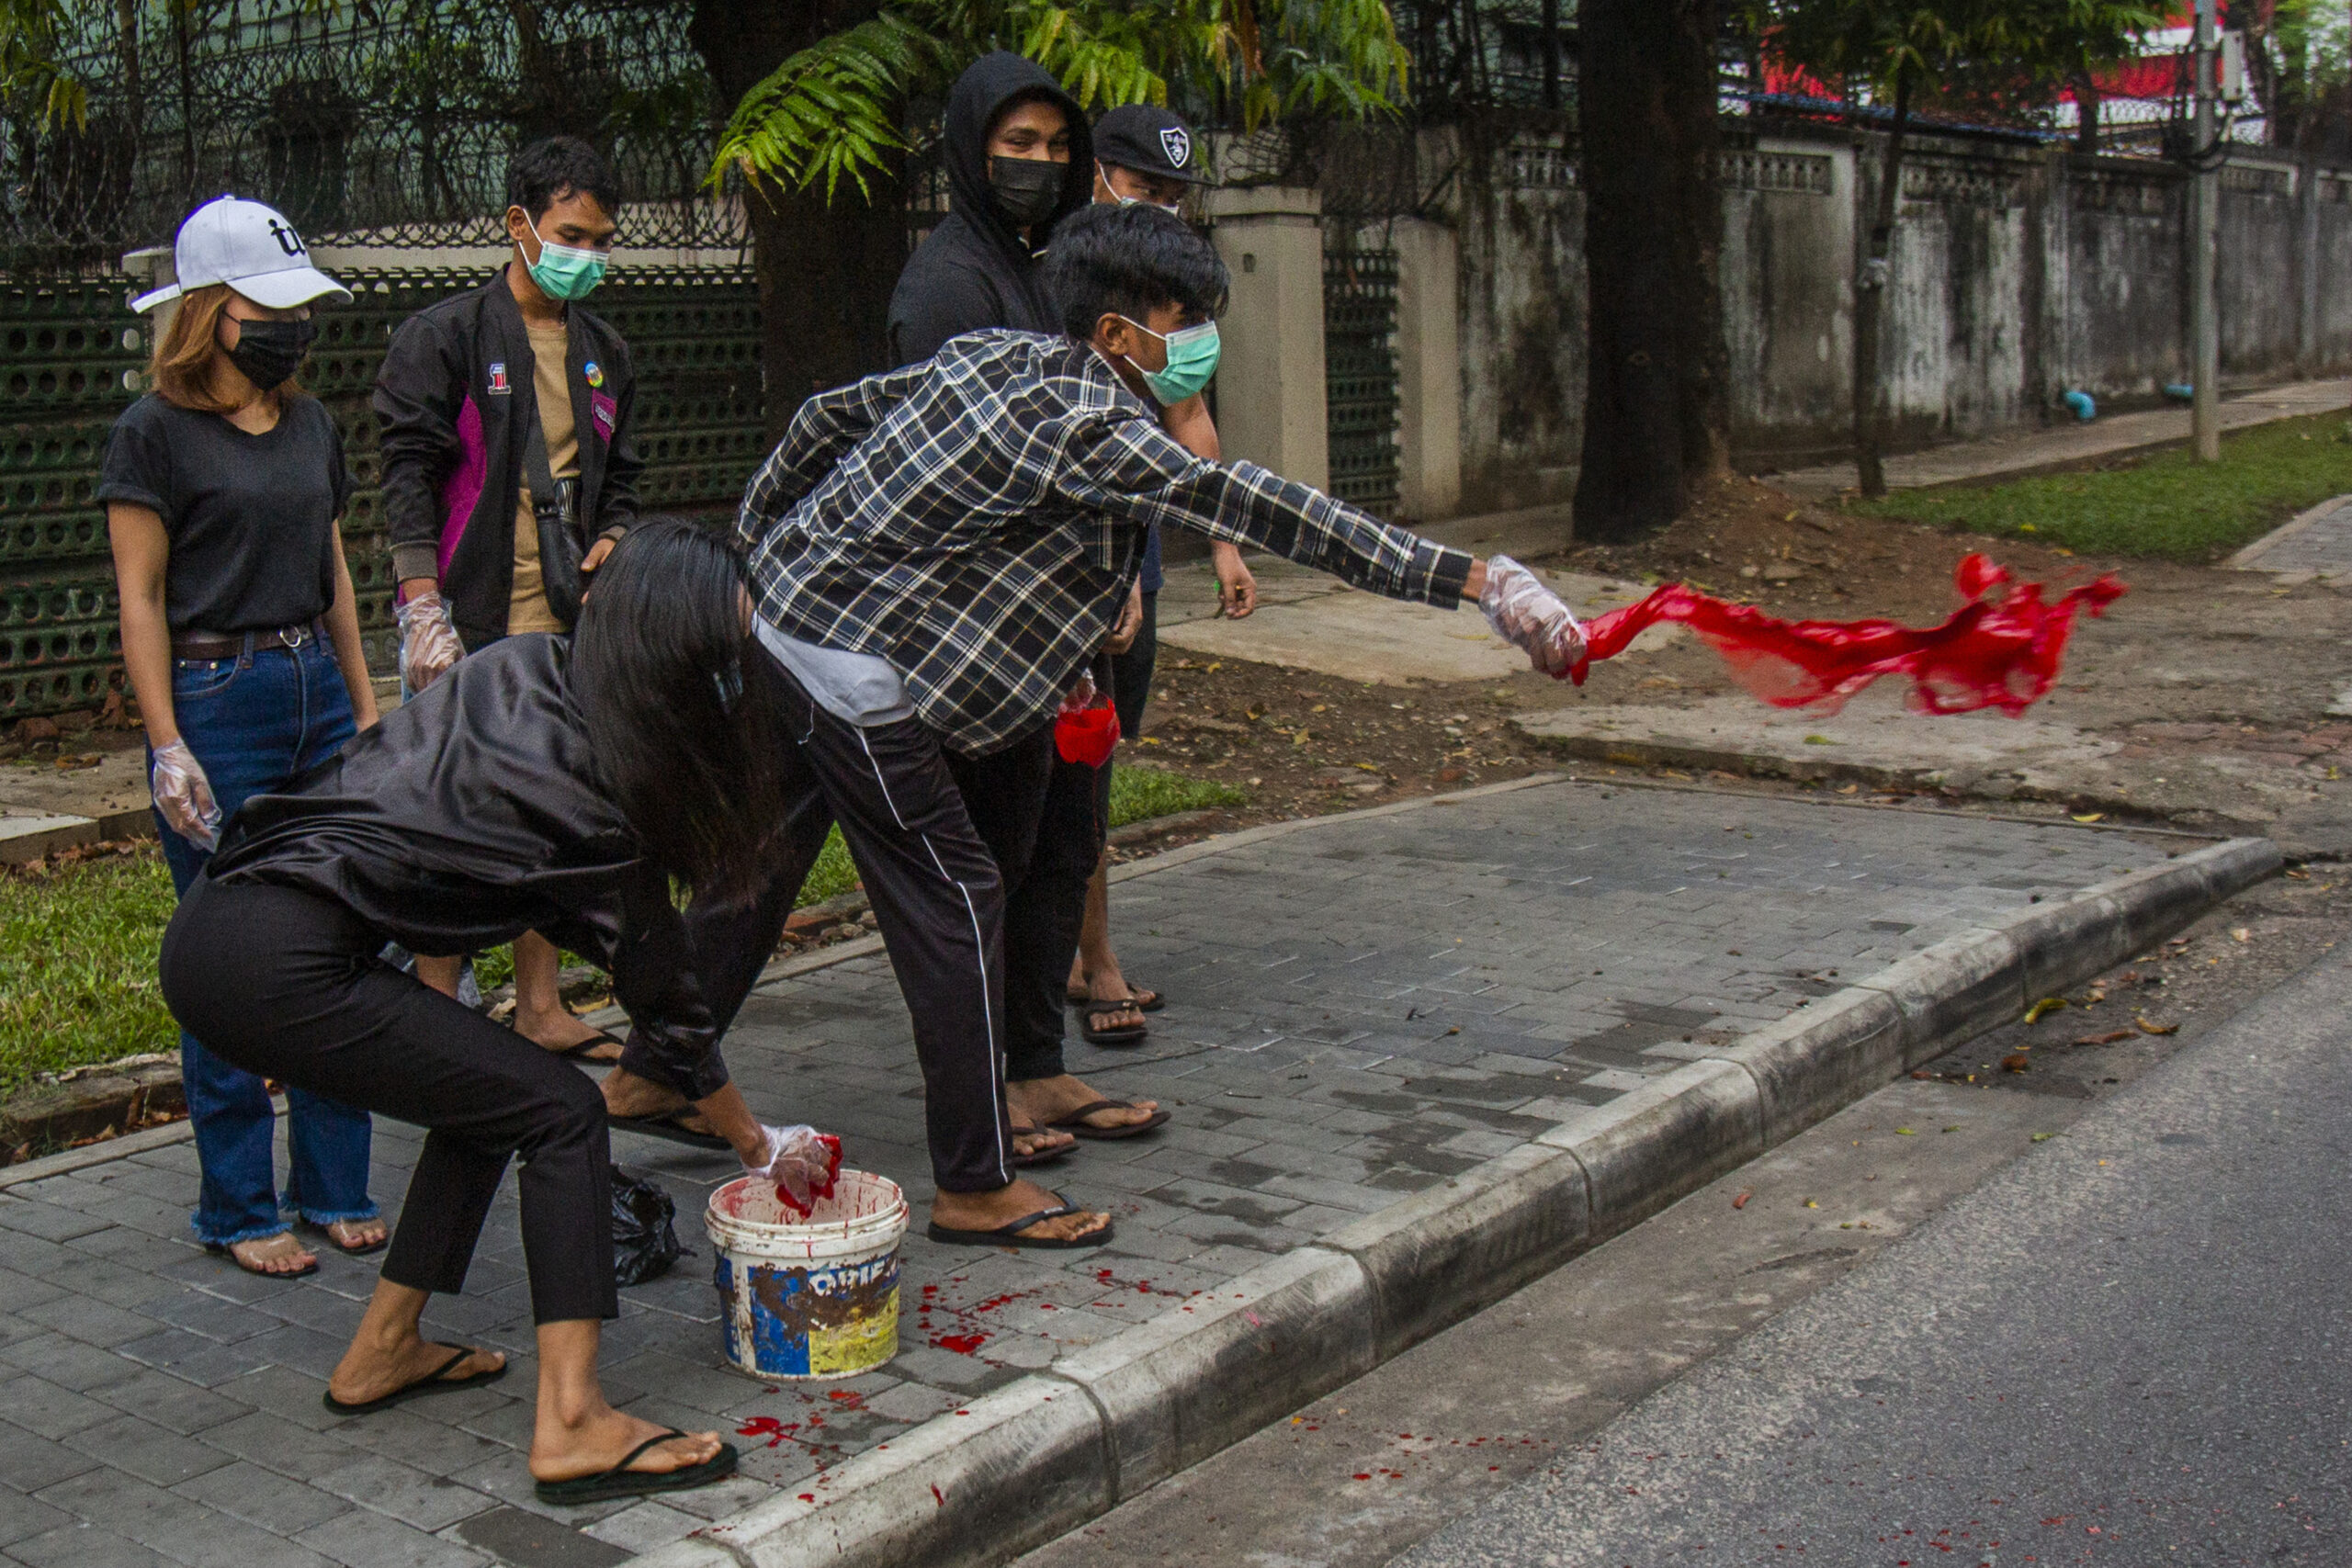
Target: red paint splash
[
  {"x": 2000, "y": 653},
  {"x": 767, "y": 1427},
  {"x": 962, "y": 1344}
]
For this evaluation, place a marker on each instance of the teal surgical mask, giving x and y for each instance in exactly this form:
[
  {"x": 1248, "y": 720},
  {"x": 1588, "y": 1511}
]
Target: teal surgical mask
[
  {"x": 1173, "y": 208},
  {"x": 565, "y": 272},
  {"x": 1192, "y": 362}
]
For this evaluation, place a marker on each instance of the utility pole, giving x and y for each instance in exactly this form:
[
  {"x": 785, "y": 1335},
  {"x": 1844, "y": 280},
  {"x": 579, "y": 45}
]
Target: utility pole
[{"x": 2204, "y": 241}]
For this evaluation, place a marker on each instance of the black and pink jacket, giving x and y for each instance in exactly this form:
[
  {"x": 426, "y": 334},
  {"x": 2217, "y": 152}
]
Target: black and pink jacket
[{"x": 445, "y": 405}]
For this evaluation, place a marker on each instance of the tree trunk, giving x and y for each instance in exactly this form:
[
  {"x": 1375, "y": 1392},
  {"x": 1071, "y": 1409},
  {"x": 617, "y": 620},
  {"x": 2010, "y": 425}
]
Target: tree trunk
[
  {"x": 2086, "y": 113},
  {"x": 1870, "y": 303},
  {"x": 825, "y": 272},
  {"x": 1655, "y": 413}
]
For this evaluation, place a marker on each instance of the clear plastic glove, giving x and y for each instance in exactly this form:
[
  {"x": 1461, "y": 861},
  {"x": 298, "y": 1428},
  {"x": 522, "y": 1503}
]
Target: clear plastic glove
[
  {"x": 184, "y": 794},
  {"x": 1531, "y": 617},
  {"x": 802, "y": 1162},
  {"x": 429, "y": 642}
]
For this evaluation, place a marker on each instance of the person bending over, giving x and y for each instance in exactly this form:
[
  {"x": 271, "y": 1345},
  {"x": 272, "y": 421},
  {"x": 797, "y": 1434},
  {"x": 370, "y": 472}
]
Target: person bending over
[
  {"x": 544, "y": 784},
  {"x": 937, "y": 554}
]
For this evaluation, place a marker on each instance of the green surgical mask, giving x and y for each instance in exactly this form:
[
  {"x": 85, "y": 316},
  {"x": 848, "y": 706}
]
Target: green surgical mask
[
  {"x": 565, "y": 272},
  {"x": 1192, "y": 362}
]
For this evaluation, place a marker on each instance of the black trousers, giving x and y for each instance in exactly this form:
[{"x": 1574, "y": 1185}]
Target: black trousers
[
  {"x": 928, "y": 830},
  {"x": 287, "y": 984}
]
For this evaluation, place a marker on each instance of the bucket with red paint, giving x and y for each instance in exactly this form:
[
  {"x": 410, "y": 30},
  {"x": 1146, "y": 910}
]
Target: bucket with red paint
[{"x": 814, "y": 1298}]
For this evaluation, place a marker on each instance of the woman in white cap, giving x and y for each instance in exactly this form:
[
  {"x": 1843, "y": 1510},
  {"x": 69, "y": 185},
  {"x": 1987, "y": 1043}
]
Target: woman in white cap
[{"x": 224, "y": 488}]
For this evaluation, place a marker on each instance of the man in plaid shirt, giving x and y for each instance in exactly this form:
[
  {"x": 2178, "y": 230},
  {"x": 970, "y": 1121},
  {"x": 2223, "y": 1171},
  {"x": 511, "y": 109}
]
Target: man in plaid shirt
[{"x": 936, "y": 556}]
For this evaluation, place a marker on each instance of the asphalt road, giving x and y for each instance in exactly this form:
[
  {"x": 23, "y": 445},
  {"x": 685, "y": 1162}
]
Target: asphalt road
[{"x": 2130, "y": 1347}]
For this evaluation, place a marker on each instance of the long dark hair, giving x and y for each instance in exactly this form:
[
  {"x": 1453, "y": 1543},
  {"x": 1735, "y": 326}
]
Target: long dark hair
[{"x": 696, "y": 763}]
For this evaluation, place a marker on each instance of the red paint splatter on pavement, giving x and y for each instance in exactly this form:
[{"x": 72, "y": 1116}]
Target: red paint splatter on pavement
[
  {"x": 962, "y": 1344},
  {"x": 767, "y": 1427}
]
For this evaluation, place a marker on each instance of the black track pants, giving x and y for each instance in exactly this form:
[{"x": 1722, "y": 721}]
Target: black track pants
[
  {"x": 287, "y": 985},
  {"x": 929, "y": 862}
]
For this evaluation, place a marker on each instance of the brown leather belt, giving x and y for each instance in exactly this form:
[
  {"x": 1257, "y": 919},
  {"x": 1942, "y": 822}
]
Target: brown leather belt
[{"x": 237, "y": 645}]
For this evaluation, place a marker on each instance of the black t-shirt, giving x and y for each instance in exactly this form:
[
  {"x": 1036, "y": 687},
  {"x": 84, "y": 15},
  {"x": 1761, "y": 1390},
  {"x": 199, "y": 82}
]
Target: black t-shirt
[{"x": 251, "y": 518}]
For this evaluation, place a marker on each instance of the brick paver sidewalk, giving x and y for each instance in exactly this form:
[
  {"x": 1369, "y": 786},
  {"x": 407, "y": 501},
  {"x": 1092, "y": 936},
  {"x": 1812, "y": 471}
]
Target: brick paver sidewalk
[{"x": 1358, "y": 1008}]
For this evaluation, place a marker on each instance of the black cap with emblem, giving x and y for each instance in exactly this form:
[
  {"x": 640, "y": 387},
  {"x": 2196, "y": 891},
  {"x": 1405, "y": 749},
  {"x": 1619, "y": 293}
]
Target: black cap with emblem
[{"x": 1151, "y": 141}]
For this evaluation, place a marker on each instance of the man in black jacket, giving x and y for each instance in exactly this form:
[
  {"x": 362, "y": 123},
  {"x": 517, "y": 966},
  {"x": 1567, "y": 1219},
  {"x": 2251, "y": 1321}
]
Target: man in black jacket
[
  {"x": 463, "y": 387},
  {"x": 1020, "y": 158}
]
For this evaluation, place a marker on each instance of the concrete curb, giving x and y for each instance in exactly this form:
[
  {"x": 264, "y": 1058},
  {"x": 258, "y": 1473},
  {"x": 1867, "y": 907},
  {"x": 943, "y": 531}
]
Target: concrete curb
[{"x": 1036, "y": 1458}]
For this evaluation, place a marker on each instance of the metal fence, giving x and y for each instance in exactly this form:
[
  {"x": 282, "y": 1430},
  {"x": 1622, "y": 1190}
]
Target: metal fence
[
  {"x": 71, "y": 356},
  {"x": 1360, "y": 375}
]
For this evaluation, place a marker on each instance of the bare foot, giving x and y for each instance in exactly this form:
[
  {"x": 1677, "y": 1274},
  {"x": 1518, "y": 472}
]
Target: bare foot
[
  {"x": 989, "y": 1211},
  {"x": 1043, "y": 1102},
  {"x": 566, "y": 1451},
  {"x": 1031, "y": 1140},
  {"x": 357, "y": 1235},
  {"x": 625, "y": 1094},
  {"x": 561, "y": 1030},
  {"x": 280, "y": 1253},
  {"x": 372, "y": 1371}
]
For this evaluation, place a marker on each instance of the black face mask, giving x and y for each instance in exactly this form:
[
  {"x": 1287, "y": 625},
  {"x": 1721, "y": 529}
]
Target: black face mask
[
  {"x": 1027, "y": 189},
  {"x": 270, "y": 352}
]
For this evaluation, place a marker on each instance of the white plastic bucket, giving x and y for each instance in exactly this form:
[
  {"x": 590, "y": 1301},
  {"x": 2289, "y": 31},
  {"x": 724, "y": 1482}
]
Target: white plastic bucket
[{"x": 815, "y": 1298}]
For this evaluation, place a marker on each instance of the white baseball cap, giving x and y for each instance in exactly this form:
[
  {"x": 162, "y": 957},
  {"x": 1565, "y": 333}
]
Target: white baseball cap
[{"x": 251, "y": 249}]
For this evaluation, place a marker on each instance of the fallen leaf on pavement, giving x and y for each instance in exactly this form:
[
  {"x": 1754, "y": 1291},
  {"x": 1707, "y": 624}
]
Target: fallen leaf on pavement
[
  {"x": 2110, "y": 1038},
  {"x": 2044, "y": 1137},
  {"x": 1905, "y": 1133},
  {"x": 2017, "y": 1062},
  {"x": 1741, "y": 1201},
  {"x": 2147, "y": 1028},
  {"x": 1811, "y": 1205},
  {"x": 2239, "y": 934},
  {"x": 2047, "y": 1004},
  {"x": 2089, "y": 815}
]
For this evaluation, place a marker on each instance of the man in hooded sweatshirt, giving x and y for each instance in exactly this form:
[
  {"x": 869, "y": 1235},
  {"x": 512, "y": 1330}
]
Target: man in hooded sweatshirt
[{"x": 1020, "y": 157}]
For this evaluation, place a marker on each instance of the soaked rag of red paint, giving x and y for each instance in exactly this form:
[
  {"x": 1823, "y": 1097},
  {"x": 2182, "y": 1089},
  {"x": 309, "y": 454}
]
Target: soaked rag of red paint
[
  {"x": 818, "y": 1192},
  {"x": 1999, "y": 652}
]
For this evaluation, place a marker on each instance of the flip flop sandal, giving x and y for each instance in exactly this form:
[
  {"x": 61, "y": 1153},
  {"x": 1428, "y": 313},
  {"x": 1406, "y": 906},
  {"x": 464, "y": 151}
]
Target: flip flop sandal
[
  {"x": 374, "y": 1247},
  {"x": 1093, "y": 1033},
  {"x": 595, "y": 1041},
  {"x": 1077, "y": 1125},
  {"x": 668, "y": 1128},
  {"x": 622, "y": 1481},
  {"x": 1004, "y": 1235},
  {"x": 435, "y": 1382},
  {"x": 1145, "y": 1000},
  {"x": 229, "y": 1253}
]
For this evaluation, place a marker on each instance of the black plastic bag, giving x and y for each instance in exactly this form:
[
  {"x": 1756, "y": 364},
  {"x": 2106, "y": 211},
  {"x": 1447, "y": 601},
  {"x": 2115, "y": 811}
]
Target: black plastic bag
[{"x": 645, "y": 1236}]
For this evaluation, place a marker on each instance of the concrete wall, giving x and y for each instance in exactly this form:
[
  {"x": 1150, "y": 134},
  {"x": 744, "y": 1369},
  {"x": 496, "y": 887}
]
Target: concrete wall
[{"x": 2020, "y": 272}]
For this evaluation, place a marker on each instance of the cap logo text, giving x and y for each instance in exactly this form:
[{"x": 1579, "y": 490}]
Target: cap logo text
[{"x": 288, "y": 241}]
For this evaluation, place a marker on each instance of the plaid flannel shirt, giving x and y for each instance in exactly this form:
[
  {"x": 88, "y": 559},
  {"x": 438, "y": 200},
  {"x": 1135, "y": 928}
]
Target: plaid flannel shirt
[{"x": 979, "y": 519}]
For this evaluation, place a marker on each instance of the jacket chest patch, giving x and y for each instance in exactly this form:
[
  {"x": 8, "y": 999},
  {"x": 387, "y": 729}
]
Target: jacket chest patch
[
  {"x": 606, "y": 413},
  {"x": 498, "y": 383}
]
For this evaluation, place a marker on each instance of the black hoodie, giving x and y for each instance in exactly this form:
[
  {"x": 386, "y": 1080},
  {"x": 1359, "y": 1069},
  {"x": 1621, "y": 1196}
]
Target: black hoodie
[{"x": 975, "y": 271}]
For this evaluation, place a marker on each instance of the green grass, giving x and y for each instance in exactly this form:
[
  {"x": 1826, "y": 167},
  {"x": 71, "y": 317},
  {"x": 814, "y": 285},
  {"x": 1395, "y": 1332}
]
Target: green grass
[
  {"x": 78, "y": 965},
  {"x": 1139, "y": 793},
  {"x": 2167, "y": 505},
  {"x": 78, "y": 944}
]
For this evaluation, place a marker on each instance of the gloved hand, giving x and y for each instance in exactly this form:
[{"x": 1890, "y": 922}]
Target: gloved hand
[
  {"x": 802, "y": 1162},
  {"x": 184, "y": 794},
  {"x": 1082, "y": 697},
  {"x": 429, "y": 642},
  {"x": 1531, "y": 617}
]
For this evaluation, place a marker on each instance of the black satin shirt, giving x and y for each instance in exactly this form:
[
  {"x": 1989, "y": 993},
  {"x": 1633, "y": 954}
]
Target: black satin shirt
[{"x": 476, "y": 812}]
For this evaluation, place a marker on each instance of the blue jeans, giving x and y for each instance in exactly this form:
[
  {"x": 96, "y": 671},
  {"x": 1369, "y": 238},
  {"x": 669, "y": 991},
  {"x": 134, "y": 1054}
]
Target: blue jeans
[{"x": 255, "y": 723}]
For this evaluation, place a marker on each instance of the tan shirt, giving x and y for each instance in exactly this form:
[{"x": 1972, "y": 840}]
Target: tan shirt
[{"x": 527, "y": 608}]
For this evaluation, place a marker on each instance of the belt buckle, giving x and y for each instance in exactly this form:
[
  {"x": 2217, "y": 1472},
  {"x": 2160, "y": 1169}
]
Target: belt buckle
[{"x": 293, "y": 636}]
